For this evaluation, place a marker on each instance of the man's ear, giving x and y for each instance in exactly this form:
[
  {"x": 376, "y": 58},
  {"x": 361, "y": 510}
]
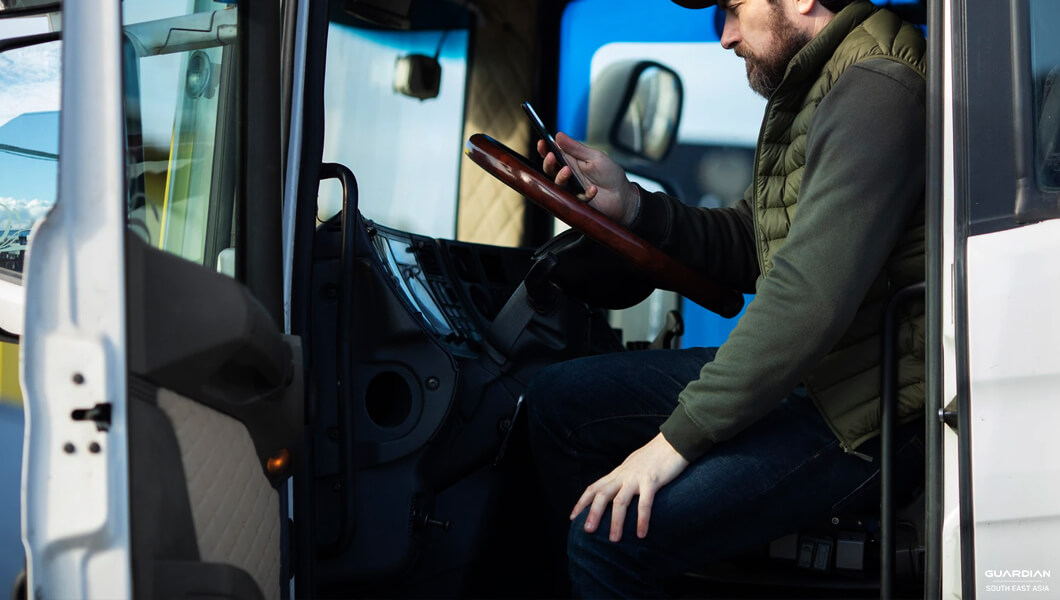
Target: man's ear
[{"x": 812, "y": 8}]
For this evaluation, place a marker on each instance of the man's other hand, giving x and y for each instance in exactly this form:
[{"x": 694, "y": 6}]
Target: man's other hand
[
  {"x": 642, "y": 474},
  {"x": 610, "y": 191}
]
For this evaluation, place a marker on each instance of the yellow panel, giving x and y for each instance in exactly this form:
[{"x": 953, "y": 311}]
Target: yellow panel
[{"x": 10, "y": 391}]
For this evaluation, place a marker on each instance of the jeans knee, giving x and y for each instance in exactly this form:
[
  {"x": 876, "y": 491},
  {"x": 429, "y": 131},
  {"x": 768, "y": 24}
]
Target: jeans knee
[
  {"x": 546, "y": 396},
  {"x": 586, "y": 549}
]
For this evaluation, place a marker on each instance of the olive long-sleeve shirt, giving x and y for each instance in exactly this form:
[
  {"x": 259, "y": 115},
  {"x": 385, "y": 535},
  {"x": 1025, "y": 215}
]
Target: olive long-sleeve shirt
[{"x": 864, "y": 177}]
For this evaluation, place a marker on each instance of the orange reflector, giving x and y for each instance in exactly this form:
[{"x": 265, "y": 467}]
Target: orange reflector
[{"x": 278, "y": 464}]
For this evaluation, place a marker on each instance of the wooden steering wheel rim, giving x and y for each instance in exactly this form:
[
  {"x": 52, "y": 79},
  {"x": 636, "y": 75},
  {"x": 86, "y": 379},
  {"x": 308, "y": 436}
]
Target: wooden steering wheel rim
[{"x": 668, "y": 273}]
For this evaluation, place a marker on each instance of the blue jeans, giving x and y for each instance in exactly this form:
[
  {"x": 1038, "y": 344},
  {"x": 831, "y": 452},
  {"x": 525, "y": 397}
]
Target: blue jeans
[{"x": 785, "y": 472}]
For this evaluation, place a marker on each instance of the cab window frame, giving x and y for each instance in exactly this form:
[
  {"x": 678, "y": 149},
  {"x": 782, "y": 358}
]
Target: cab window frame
[{"x": 994, "y": 131}]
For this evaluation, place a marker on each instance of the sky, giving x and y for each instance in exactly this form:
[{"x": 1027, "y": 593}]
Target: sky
[{"x": 29, "y": 86}]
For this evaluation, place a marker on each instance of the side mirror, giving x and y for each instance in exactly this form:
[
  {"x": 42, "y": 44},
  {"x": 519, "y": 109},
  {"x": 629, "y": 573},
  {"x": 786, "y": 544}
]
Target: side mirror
[{"x": 647, "y": 119}]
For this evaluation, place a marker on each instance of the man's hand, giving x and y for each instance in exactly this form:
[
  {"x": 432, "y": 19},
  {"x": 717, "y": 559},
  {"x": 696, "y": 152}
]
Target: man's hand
[
  {"x": 610, "y": 192},
  {"x": 643, "y": 473}
]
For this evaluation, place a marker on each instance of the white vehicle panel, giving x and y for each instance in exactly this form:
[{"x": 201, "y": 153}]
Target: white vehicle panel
[
  {"x": 75, "y": 494},
  {"x": 1014, "y": 341}
]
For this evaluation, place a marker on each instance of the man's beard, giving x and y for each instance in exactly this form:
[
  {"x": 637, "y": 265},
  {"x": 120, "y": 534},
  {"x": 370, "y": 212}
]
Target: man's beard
[{"x": 765, "y": 72}]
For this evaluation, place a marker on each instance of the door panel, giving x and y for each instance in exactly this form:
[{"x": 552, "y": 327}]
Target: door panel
[
  {"x": 207, "y": 408},
  {"x": 233, "y": 504}
]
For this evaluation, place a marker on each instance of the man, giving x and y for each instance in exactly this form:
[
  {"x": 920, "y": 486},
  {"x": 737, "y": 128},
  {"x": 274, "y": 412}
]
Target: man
[{"x": 720, "y": 450}]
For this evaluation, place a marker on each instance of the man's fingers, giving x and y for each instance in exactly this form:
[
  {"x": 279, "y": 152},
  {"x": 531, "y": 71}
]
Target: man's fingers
[
  {"x": 542, "y": 148},
  {"x": 563, "y": 177},
  {"x": 550, "y": 165},
  {"x": 584, "y": 501},
  {"x": 647, "y": 496},
  {"x": 618, "y": 512},
  {"x": 596, "y": 511}
]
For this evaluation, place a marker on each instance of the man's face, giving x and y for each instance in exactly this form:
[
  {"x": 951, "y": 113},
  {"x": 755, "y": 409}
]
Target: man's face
[{"x": 763, "y": 33}]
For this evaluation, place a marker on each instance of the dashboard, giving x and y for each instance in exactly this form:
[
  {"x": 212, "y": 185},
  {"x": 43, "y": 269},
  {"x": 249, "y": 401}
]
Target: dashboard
[{"x": 455, "y": 288}]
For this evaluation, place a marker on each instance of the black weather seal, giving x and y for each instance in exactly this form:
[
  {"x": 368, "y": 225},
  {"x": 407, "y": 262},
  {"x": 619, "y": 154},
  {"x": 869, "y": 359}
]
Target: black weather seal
[
  {"x": 7, "y": 337},
  {"x": 962, "y": 230},
  {"x": 29, "y": 11},
  {"x": 29, "y": 40},
  {"x": 258, "y": 238},
  {"x": 933, "y": 469},
  {"x": 312, "y": 150}
]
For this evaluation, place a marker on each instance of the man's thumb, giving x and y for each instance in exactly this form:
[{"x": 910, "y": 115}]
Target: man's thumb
[{"x": 573, "y": 147}]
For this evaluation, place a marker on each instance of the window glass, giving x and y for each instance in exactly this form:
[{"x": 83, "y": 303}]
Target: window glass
[
  {"x": 180, "y": 89},
  {"x": 1045, "y": 69},
  {"x": 29, "y": 146},
  {"x": 405, "y": 150}
]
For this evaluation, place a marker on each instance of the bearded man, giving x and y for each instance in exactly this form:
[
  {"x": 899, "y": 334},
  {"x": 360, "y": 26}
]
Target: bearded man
[{"x": 720, "y": 450}]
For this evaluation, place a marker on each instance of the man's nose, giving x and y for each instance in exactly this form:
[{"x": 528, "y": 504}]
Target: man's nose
[{"x": 730, "y": 34}]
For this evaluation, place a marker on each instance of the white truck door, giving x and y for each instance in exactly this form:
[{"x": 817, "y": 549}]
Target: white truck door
[
  {"x": 1003, "y": 463},
  {"x": 163, "y": 402}
]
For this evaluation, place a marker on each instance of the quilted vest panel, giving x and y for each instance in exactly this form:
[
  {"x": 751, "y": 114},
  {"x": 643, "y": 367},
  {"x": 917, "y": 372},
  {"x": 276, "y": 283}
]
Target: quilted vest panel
[{"x": 845, "y": 385}]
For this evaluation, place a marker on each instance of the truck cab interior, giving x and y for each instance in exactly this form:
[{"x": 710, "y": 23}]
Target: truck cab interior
[
  {"x": 420, "y": 482},
  {"x": 341, "y": 275}
]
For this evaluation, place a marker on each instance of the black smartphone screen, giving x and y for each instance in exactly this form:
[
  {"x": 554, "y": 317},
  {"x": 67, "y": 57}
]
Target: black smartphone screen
[{"x": 578, "y": 182}]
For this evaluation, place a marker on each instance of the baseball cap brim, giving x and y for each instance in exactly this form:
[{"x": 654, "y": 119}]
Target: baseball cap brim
[{"x": 695, "y": 3}]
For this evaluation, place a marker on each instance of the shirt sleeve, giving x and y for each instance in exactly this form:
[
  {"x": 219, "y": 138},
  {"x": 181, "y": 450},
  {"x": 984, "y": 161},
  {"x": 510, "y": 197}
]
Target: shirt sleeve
[
  {"x": 718, "y": 242},
  {"x": 864, "y": 177}
]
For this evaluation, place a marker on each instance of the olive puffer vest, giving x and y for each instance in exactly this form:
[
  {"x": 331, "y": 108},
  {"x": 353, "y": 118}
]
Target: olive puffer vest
[{"x": 846, "y": 384}]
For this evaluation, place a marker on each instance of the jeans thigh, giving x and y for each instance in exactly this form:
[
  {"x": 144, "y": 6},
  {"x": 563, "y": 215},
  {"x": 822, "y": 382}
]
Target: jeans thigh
[
  {"x": 586, "y": 415},
  {"x": 783, "y": 473}
]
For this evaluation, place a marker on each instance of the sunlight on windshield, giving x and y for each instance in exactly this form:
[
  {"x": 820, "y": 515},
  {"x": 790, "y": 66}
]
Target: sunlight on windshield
[
  {"x": 406, "y": 152},
  {"x": 29, "y": 145}
]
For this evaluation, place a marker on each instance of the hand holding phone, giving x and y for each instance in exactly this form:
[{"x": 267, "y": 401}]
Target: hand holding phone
[{"x": 579, "y": 183}]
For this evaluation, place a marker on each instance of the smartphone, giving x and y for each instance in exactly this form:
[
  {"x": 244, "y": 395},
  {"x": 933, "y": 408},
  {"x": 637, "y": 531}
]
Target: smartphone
[{"x": 579, "y": 183}]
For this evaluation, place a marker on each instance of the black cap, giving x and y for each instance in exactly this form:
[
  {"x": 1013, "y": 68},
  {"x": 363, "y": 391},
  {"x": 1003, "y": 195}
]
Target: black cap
[{"x": 695, "y": 3}]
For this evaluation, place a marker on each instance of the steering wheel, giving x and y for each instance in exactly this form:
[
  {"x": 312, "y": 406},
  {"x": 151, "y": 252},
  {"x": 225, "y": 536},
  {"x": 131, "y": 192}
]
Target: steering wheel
[{"x": 667, "y": 272}]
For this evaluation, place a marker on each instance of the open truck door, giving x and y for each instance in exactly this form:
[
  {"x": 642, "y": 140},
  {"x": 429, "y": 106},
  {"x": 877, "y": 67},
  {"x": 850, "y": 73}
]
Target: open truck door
[
  {"x": 163, "y": 402},
  {"x": 999, "y": 283}
]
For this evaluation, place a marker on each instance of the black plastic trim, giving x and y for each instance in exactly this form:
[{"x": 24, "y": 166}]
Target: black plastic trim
[
  {"x": 537, "y": 222},
  {"x": 934, "y": 223},
  {"x": 985, "y": 99},
  {"x": 301, "y": 282},
  {"x": 258, "y": 248},
  {"x": 287, "y": 53},
  {"x": 185, "y": 580},
  {"x": 29, "y": 40},
  {"x": 965, "y": 191},
  {"x": 29, "y": 11}
]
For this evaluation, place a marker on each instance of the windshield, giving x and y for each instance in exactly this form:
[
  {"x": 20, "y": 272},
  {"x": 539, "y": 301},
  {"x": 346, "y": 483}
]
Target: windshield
[
  {"x": 180, "y": 78},
  {"x": 29, "y": 145}
]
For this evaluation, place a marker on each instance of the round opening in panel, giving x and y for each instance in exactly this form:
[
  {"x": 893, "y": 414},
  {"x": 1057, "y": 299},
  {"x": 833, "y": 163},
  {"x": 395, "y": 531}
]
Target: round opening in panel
[{"x": 388, "y": 399}]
